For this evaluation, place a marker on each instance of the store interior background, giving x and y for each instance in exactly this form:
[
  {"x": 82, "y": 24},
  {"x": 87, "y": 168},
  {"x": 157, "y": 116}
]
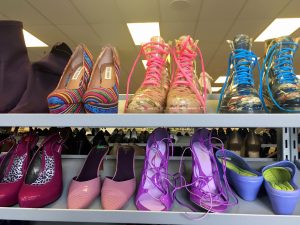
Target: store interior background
[{"x": 100, "y": 22}]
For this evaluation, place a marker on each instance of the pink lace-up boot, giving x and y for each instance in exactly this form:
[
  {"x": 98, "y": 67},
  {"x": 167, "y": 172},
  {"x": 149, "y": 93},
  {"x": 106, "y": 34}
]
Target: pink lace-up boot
[
  {"x": 185, "y": 95},
  {"x": 151, "y": 96}
]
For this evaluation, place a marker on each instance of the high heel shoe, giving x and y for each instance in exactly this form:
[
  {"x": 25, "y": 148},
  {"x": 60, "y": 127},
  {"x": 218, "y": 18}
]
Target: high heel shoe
[
  {"x": 68, "y": 95},
  {"x": 13, "y": 169},
  {"x": 85, "y": 187},
  {"x": 154, "y": 190},
  {"x": 206, "y": 188},
  {"x": 102, "y": 94},
  {"x": 43, "y": 180},
  {"x": 117, "y": 190}
]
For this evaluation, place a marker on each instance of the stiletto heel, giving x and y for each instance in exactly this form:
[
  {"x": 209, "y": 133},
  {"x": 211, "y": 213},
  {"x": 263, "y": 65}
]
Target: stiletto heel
[{"x": 154, "y": 192}]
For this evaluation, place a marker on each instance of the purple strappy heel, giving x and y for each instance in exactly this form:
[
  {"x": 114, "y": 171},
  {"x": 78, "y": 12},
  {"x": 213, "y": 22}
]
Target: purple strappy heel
[{"x": 154, "y": 192}]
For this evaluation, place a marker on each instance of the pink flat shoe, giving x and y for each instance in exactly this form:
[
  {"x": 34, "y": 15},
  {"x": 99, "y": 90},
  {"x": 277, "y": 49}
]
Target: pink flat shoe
[
  {"x": 85, "y": 187},
  {"x": 43, "y": 181},
  {"x": 117, "y": 190},
  {"x": 13, "y": 168}
]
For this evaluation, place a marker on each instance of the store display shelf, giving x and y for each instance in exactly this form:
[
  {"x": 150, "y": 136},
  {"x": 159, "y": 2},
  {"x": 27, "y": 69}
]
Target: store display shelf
[
  {"x": 151, "y": 120},
  {"x": 257, "y": 212}
]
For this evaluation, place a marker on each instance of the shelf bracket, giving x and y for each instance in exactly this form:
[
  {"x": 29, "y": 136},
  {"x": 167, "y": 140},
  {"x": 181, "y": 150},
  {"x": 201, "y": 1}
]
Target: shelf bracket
[{"x": 284, "y": 143}]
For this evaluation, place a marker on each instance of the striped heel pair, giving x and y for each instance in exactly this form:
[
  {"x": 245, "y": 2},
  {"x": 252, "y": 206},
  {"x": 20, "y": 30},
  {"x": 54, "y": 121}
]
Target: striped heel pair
[{"x": 87, "y": 88}]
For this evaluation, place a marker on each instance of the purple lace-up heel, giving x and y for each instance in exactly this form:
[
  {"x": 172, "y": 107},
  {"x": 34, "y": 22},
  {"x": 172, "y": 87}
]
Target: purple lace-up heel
[
  {"x": 206, "y": 188},
  {"x": 154, "y": 192}
]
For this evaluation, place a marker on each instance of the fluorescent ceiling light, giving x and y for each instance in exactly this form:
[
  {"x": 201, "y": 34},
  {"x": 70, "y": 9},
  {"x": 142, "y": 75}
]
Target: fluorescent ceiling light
[
  {"x": 144, "y": 63},
  {"x": 32, "y": 41},
  {"x": 215, "y": 89},
  {"x": 220, "y": 80},
  {"x": 142, "y": 32},
  {"x": 279, "y": 27}
]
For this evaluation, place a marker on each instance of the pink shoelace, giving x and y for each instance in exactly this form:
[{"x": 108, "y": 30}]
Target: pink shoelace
[
  {"x": 154, "y": 65},
  {"x": 184, "y": 63}
]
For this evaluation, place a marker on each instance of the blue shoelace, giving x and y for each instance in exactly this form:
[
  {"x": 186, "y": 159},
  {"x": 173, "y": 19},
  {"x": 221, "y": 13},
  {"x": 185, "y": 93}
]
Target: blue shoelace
[
  {"x": 245, "y": 61},
  {"x": 283, "y": 69}
]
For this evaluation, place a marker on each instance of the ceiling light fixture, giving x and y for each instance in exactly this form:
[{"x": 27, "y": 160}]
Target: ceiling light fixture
[
  {"x": 220, "y": 80},
  {"x": 32, "y": 41},
  {"x": 215, "y": 89},
  {"x": 142, "y": 32},
  {"x": 278, "y": 28}
]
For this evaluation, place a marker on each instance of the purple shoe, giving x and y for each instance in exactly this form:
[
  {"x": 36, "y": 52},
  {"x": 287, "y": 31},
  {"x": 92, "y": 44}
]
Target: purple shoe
[
  {"x": 206, "y": 189},
  {"x": 154, "y": 192}
]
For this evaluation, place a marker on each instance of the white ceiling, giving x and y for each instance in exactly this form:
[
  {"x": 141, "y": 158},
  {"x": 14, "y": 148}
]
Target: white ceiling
[{"x": 100, "y": 22}]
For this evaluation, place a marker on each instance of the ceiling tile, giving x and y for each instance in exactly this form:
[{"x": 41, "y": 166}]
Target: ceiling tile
[
  {"x": 172, "y": 30},
  {"x": 81, "y": 34},
  {"x": 212, "y": 31},
  {"x": 58, "y": 11},
  {"x": 36, "y": 54},
  {"x": 216, "y": 10},
  {"x": 252, "y": 27},
  {"x": 21, "y": 10},
  {"x": 114, "y": 34},
  {"x": 292, "y": 10},
  {"x": 257, "y": 9},
  {"x": 95, "y": 11},
  {"x": 138, "y": 10},
  {"x": 185, "y": 13},
  {"x": 49, "y": 34}
]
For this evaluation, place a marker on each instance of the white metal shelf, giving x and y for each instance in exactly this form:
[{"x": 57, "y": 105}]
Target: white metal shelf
[
  {"x": 151, "y": 120},
  {"x": 257, "y": 212}
]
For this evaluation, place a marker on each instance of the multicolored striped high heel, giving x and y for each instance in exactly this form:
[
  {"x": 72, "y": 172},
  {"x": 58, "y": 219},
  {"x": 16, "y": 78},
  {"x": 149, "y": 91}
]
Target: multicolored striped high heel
[
  {"x": 68, "y": 95},
  {"x": 103, "y": 90}
]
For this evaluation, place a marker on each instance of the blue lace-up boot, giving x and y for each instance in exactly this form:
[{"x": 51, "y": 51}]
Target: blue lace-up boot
[
  {"x": 280, "y": 88},
  {"x": 238, "y": 94}
]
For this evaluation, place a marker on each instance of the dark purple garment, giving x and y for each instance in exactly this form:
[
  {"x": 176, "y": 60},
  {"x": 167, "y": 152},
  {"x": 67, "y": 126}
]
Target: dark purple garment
[
  {"x": 43, "y": 80},
  {"x": 15, "y": 66}
]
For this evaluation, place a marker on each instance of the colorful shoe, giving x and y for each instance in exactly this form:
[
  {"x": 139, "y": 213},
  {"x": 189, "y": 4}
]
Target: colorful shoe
[
  {"x": 43, "y": 180},
  {"x": 116, "y": 191},
  {"x": 102, "y": 94},
  {"x": 279, "y": 182},
  {"x": 13, "y": 169},
  {"x": 206, "y": 188},
  {"x": 238, "y": 94},
  {"x": 85, "y": 187},
  {"x": 154, "y": 192},
  {"x": 151, "y": 95},
  {"x": 245, "y": 180},
  {"x": 280, "y": 87},
  {"x": 68, "y": 95},
  {"x": 185, "y": 95}
]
